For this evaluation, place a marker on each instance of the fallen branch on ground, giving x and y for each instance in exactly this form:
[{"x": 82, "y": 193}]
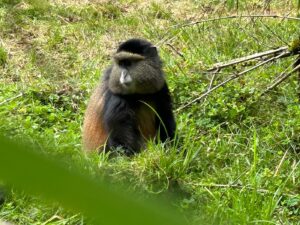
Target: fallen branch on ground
[
  {"x": 274, "y": 16},
  {"x": 168, "y": 36},
  {"x": 277, "y": 51},
  {"x": 233, "y": 77},
  {"x": 268, "y": 56},
  {"x": 283, "y": 77}
]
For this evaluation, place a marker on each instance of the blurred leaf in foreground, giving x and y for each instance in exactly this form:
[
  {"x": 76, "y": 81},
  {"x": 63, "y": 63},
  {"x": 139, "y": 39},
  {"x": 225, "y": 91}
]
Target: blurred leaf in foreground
[{"x": 38, "y": 174}]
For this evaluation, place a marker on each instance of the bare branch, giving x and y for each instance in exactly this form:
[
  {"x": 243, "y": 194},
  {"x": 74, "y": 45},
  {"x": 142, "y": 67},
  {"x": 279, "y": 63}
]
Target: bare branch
[
  {"x": 281, "y": 79},
  {"x": 211, "y": 83},
  {"x": 233, "y": 77},
  {"x": 274, "y": 16},
  {"x": 283, "y": 73},
  {"x": 222, "y": 65},
  {"x": 176, "y": 51}
]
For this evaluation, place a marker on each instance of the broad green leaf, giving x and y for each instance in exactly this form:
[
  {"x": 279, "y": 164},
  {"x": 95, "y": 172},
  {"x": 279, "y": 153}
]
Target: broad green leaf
[{"x": 42, "y": 175}]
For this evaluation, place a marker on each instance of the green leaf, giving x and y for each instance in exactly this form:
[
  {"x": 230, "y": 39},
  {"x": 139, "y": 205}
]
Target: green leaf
[{"x": 41, "y": 175}]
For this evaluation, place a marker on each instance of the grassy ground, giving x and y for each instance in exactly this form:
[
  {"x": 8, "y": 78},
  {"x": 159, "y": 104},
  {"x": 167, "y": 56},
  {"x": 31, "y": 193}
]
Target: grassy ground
[{"x": 236, "y": 158}]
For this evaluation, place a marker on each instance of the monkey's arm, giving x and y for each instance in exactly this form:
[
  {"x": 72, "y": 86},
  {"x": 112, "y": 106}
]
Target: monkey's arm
[
  {"x": 164, "y": 110},
  {"x": 120, "y": 122}
]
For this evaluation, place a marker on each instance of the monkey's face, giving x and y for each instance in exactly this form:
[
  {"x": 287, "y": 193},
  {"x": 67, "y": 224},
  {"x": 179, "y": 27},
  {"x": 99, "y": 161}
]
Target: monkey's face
[{"x": 135, "y": 74}]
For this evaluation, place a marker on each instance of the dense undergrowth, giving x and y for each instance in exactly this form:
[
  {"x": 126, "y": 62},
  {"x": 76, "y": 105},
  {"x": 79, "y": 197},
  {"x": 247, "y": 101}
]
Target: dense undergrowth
[{"x": 236, "y": 157}]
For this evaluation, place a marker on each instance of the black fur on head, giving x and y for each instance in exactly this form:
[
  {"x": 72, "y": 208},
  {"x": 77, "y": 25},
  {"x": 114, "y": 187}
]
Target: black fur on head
[{"x": 138, "y": 46}]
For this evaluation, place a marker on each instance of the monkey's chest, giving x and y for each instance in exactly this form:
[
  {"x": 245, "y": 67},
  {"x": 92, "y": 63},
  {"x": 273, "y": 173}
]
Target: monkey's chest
[{"x": 146, "y": 118}]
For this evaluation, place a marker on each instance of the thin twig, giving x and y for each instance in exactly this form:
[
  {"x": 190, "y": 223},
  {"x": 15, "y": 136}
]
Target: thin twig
[
  {"x": 234, "y": 17},
  {"x": 279, "y": 81},
  {"x": 234, "y": 76},
  {"x": 249, "y": 33},
  {"x": 63, "y": 19},
  {"x": 248, "y": 58},
  {"x": 176, "y": 51},
  {"x": 283, "y": 73},
  {"x": 11, "y": 99},
  {"x": 166, "y": 39},
  {"x": 215, "y": 72},
  {"x": 211, "y": 83},
  {"x": 166, "y": 35},
  {"x": 273, "y": 32}
]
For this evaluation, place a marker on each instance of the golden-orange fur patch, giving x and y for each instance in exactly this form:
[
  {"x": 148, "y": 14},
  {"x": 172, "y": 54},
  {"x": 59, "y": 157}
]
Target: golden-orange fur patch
[{"x": 94, "y": 135}]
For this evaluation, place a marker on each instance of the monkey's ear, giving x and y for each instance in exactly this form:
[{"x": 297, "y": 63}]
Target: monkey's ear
[{"x": 151, "y": 51}]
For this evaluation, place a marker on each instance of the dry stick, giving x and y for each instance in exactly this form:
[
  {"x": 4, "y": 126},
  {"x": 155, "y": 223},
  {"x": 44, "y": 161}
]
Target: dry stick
[
  {"x": 230, "y": 79},
  {"x": 221, "y": 18},
  {"x": 279, "y": 81},
  {"x": 211, "y": 83},
  {"x": 237, "y": 16},
  {"x": 277, "y": 78},
  {"x": 63, "y": 19},
  {"x": 11, "y": 99},
  {"x": 282, "y": 73},
  {"x": 176, "y": 51},
  {"x": 222, "y": 65}
]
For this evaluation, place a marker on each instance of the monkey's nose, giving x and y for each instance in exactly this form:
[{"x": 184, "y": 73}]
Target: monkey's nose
[{"x": 125, "y": 77}]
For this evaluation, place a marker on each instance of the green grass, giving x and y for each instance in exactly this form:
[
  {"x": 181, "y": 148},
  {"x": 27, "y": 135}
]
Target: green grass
[{"x": 235, "y": 160}]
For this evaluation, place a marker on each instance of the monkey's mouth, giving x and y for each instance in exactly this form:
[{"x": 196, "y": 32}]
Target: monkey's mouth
[
  {"x": 126, "y": 85},
  {"x": 127, "y": 88}
]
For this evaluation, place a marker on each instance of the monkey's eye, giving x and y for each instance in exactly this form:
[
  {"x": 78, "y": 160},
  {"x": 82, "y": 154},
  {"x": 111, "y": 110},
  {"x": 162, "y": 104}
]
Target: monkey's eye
[{"x": 125, "y": 63}]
